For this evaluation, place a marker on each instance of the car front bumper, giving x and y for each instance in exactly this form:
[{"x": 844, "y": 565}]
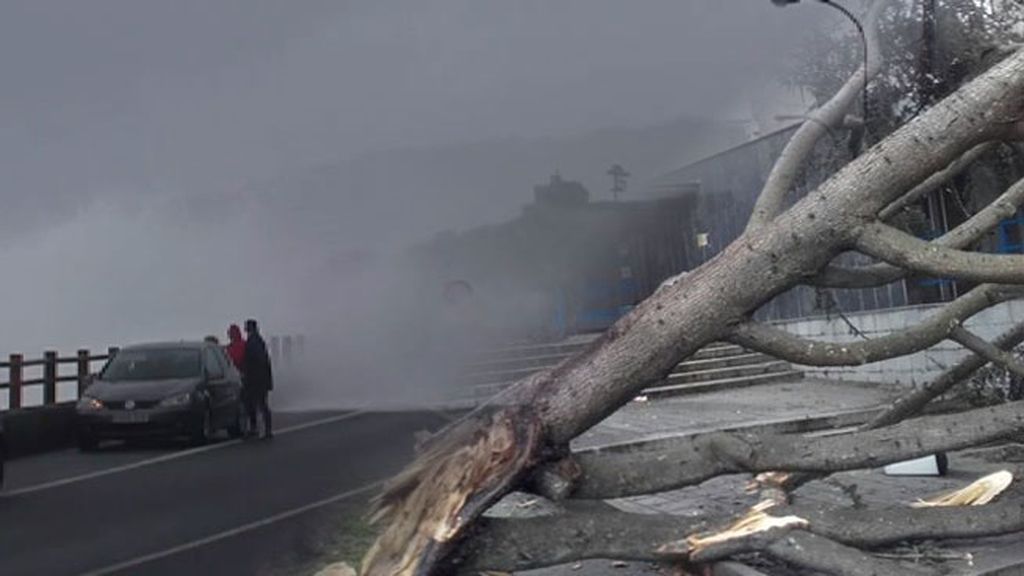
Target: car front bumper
[{"x": 115, "y": 424}]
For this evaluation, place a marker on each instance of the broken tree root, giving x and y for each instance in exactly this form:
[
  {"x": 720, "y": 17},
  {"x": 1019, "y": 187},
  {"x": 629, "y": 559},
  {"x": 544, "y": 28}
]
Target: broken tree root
[{"x": 429, "y": 504}]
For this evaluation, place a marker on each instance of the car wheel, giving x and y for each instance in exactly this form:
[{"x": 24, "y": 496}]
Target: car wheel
[
  {"x": 204, "y": 431},
  {"x": 87, "y": 442}
]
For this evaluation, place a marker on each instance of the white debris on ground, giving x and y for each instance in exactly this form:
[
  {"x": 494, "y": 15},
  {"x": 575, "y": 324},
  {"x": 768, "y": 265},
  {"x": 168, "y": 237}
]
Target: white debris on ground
[
  {"x": 757, "y": 520},
  {"x": 337, "y": 569},
  {"x": 977, "y": 493}
]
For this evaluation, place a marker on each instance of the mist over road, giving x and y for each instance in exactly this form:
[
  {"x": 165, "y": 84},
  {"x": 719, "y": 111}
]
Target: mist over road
[{"x": 142, "y": 502}]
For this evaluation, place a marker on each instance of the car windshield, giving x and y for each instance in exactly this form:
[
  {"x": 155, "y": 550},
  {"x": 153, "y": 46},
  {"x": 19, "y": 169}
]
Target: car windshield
[{"x": 154, "y": 364}]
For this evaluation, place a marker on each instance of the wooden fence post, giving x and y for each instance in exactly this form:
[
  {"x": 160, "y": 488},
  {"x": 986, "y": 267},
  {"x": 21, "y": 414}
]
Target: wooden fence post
[
  {"x": 14, "y": 380},
  {"x": 49, "y": 377},
  {"x": 112, "y": 351},
  {"x": 83, "y": 371}
]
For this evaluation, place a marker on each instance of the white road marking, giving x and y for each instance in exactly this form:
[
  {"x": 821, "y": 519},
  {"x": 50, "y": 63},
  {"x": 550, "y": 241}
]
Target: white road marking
[
  {"x": 231, "y": 532},
  {"x": 170, "y": 457}
]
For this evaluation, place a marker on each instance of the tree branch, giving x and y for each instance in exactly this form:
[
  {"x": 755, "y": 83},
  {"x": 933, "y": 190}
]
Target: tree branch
[
  {"x": 901, "y": 249},
  {"x": 937, "y": 179},
  {"x": 913, "y": 402},
  {"x": 814, "y": 552},
  {"x": 820, "y": 554},
  {"x": 670, "y": 463},
  {"x": 582, "y": 532},
  {"x": 937, "y": 327},
  {"x": 828, "y": 116},
  {"x": 963, "y": 236},
  {"x": 988, "y": 351},
  {"x": 875, "y": 527}
]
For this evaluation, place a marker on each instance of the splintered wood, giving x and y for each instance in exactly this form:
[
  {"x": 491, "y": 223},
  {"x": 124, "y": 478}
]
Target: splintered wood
[
  {"x": 977, "y": 493},
  {"x": 429, "y": 503},
  {"x": 768, "y": 480},
  {"x": 755, "y": 521}
]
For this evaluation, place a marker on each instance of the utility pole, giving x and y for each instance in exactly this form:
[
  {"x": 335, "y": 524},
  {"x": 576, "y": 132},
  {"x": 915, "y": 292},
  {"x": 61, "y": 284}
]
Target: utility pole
[{"x": 619, "y": 175}]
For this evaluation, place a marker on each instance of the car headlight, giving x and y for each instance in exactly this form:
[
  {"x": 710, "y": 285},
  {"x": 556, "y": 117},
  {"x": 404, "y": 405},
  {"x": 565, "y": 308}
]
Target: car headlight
[
  {"x": 177, "y": 400},
  {"x": 89, "y": 403}
]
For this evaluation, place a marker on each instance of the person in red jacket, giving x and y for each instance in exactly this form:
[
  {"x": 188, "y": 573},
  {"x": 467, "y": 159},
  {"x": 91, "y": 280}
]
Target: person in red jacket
[{"x": 236, "y": 346}]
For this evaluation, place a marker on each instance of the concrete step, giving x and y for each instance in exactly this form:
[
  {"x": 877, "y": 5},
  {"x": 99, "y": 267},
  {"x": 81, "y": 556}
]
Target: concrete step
[
  {"x": 497, "y": 377},
  {"x": 576, "y": 343},
  {"x": 709, "y": 380},
  {"x": 714, "y": 374},
  {"x": 527, "y": 352},
  {"x": 568, "y": 346},
  {"x": 689, "y": 371},
  {"x": 721, "y": 384},
  {"x": 547, "y": 355},
  {"x": 719, "y": 350},
  {"x": 512, "y": 364},
  {"x": 744, "y": 359}
]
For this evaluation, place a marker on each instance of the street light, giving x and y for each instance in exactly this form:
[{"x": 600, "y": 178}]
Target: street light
[
  {"x": 619, "y": 175},
  {"x": 863, "y": 39}
]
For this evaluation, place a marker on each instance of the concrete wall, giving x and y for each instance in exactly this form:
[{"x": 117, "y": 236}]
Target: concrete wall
[
  {"x": 913, "y": 369},
  {"x": 38, "y": 429}
]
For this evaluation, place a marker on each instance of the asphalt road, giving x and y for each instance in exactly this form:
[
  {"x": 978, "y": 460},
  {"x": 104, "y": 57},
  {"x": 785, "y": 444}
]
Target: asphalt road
[{"x": 232, "y": 508}]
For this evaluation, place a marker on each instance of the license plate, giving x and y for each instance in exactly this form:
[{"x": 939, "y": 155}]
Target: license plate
[{"x": 130, "y": 417}]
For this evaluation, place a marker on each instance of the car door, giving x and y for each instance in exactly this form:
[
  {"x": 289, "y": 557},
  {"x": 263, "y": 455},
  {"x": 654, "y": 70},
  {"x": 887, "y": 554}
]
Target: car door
[{"x": 218, "y": 387}]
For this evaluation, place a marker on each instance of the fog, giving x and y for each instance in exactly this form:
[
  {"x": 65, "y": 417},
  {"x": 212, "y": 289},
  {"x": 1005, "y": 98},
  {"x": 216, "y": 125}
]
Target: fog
[{"x": 171, "y": 167}]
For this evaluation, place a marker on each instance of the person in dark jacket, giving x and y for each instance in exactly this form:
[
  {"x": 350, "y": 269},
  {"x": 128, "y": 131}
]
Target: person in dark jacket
[{"x": 257, "y": 377}]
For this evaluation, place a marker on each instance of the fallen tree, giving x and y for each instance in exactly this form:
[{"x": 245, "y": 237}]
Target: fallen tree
[
  {"x": 431, "y": 513},
  {"x": 586, "y": 530}
]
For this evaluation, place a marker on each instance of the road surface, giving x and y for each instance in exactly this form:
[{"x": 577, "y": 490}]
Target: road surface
[{"x": 231, "y": 508}]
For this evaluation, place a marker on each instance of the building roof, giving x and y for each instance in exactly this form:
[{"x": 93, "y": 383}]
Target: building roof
[{"x": 675, "y": 179}]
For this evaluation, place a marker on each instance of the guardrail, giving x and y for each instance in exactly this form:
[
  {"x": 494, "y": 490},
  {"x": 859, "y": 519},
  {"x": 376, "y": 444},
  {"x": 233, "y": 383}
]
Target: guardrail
[
  {"x": 51, "y": 364},
  {"x": 284, "y": 350}
]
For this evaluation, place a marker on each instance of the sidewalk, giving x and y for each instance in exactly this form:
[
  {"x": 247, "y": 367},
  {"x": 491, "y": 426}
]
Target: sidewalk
[{"x": 803, "y": 405}]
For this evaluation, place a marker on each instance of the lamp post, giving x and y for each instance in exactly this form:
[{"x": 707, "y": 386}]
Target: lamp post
[{"x": 619, "y": 175}]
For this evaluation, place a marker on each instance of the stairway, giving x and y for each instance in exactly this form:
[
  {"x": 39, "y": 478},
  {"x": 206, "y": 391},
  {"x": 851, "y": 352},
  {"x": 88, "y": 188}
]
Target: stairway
[{"x": 716, "y": 367}]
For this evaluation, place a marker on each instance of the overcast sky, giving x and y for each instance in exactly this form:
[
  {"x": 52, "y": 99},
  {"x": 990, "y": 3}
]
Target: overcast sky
[
  {"x": 210, "y": 94},
  {"x": 109, "y": 106}
]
